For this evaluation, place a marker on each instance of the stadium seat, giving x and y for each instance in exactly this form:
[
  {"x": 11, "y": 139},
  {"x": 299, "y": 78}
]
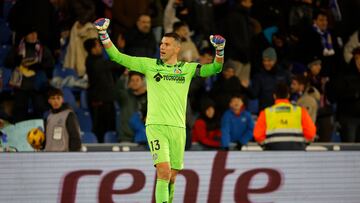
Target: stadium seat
[
  {"x": 69, "y": 98},
  {"x": 88, "y": 137},
  {"x": 84, "y": 120},
  {"x": 83, "y": 100},
  {"x": 111, "y": 137}
]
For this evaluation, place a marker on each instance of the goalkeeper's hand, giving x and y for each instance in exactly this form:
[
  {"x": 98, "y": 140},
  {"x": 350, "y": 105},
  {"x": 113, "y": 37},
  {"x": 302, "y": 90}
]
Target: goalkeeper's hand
[
  {"x": 101, "y": 25},
  {"x": 218, "y": 43}
]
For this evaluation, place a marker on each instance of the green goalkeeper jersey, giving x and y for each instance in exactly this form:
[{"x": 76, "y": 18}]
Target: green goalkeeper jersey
[{"x": 167, "y": 85}]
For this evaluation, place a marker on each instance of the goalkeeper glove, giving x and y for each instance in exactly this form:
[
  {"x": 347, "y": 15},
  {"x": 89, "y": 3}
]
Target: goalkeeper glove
[
  {"x": 101, "y": 25},
  {"x": 218, "y": 43}
]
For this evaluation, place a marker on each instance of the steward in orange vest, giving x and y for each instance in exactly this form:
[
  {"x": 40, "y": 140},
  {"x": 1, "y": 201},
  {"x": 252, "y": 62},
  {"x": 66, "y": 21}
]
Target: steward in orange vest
[{"x": 284, "y": 126}]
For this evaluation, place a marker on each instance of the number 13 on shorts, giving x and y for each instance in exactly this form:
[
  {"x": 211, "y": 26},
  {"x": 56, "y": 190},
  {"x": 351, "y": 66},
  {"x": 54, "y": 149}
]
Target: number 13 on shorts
[{"x": 154, "y": 145}]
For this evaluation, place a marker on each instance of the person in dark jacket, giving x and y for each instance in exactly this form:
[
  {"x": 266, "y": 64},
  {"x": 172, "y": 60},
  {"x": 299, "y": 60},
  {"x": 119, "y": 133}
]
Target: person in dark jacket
[
  {"x": 101, "y": 88},
  {"x": 347, "y": 88},
  {"x": 140, "y": 41},
  {"x": 62, "y": 128},
  {"x": 34, "y": 63},
  {"x": 239, "y": 31},
  {"x": 266, "y": 80},
  {"x": 224, "y": 87}
]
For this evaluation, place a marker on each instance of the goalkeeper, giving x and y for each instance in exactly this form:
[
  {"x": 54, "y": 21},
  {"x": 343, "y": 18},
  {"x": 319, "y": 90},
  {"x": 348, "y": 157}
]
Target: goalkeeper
[{"x": 168, "y": 83}]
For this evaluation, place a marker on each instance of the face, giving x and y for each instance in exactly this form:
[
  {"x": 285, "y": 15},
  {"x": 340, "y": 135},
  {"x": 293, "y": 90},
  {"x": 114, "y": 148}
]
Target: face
[
  {"x": 169, "y": 48},
  {"x": 210, "y": 112},
  {"x": 247, "y": 3},
  {"x": 296, "y": 86},
  {"x": 236, "y": 104},
  {"x": 136, "y": 82},
  {"x": 322, "y": 22},
  {"x": 120, "y": 41},
  {"x": 315, "y": 69},
  {"x": 268, "y": 63},
  {"x": 144, "y": 24},
  {"x": 228, "y": 73},
  {"x": 357, "y": 61},
  {"x": 31, "y": 37},
  {"x": 206, "y": 58},
  {"x": 278, "y": 42},
  {"x": 97, "y": 49},
  {"x": 56, "y": 101},
  {"x": 183, "y": 32}
]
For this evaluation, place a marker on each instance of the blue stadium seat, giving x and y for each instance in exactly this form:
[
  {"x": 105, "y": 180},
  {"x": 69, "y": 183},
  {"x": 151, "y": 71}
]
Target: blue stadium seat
[
  {"x": 111, "y": 137},
  {"x": 69, "y": 98},
  {"x": 88, "y": 137},
  {"x": 84, "y": 120},
  {"x": 83, "y": 99}
]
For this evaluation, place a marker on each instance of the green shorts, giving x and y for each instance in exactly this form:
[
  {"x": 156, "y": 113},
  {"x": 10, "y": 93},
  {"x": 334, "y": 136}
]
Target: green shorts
[{"x": 167, "y": 144}]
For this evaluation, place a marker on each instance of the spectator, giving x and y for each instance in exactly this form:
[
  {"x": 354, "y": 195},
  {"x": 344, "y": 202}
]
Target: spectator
[
  {"x": 318, "y": 40},
  {"x": 101, "y": 89},
  {"x": 200, "y": 18},
  {"x": 140, "y": 41},
  {"x": 224, "y": 87},
  {"x": 304, "y": 95},
  {"x": 353, "y": 42},
  {"x": 126, "y": 13},
  {"x": 75, "y": 55},
  {"x": 170, "y": 16},
  {"x": 239, "y": 37},
  {"x": 266, "y": 80},
  {"x": 35, "y": 13},
  {"x": 347, "y": 89},
  {"x": 62, "y": 128},
  {"x": 300, "y": 15},
  {"x": 324, "y": 118},
  {"x": 188, "y": 51},
  {"x": 206, "y": 130},
  {"x": 157, "y": 18},
  {"x": 284, "y": 126},
  {"x": 236, "y": 124},
  {"x": 132, "y": 100},
  {"x": 33, "y": 63}
]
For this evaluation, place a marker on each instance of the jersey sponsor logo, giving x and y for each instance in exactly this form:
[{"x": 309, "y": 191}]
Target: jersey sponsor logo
[
  {"x": 176, "y": 78},
  {"x": 158, "y": 77},
  {"x": 177, "y": 70}
]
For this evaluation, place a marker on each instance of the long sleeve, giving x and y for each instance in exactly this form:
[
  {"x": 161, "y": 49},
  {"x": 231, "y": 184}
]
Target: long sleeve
[
  {"x": 202, "y": 135},
  {"x": 260, "y": 128},
  {"x": 207, "y": 70},
  {"x": 248, "y": 135},
  {"x": 133, "y": 63},
  {"x": 225, "y": 130},
  {"x": 309, "y": 128},
  {"x": 73, "y": 128}
]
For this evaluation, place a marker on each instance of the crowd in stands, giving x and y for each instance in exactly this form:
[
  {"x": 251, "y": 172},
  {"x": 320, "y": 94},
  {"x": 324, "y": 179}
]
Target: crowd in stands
[{"x": 311, "y": 45}]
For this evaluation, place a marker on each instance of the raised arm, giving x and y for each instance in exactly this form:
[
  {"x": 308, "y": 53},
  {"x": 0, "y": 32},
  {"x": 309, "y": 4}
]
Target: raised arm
[
  {"x": 218, "y": 43},
  {"x": 130, "y": 62}
]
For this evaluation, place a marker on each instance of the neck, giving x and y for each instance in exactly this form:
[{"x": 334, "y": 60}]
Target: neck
[
  {"x": 140, "y": 91},
  {"x": 171, "y": 61}
]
